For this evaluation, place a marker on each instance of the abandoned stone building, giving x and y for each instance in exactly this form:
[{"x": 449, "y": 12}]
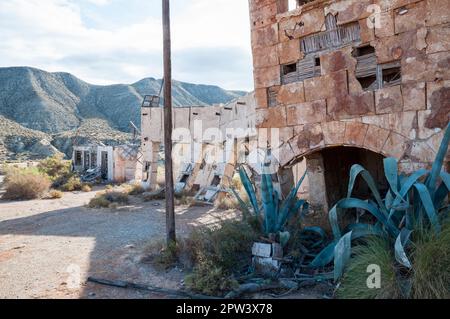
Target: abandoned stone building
[
  {"x": 116, "y": 164},
  {"x": 204, "y": 162},
  {"x": 351, "y": 81},
  {"x": 337, "y": 82}
]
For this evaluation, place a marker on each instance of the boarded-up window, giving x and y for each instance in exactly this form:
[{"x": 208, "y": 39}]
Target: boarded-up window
[
  {"x": 306, "y": 68},
  {"x": 272, "y": 94},
  {"x": 373, "y": 76},
  {"x": 334, "y": 37},
  {"x": 366, "y": 68}
]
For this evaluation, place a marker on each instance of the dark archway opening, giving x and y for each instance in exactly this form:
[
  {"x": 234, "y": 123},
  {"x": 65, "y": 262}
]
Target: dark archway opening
[{"x": 337, "y": 164}]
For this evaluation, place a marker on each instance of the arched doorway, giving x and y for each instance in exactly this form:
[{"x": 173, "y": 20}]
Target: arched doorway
[
  {"x": 329, "y": 172},
  {"x": 337, "y": 164}
]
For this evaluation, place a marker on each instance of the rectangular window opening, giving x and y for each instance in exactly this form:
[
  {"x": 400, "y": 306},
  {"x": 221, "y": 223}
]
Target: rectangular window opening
[
  {"x": 78, "y": 156},
  {"x": 289, "y": 68},
  {"x": 392, "y": 76},
  {"x": 368, "y": 83},
  {"x": 364, "y": 50}
]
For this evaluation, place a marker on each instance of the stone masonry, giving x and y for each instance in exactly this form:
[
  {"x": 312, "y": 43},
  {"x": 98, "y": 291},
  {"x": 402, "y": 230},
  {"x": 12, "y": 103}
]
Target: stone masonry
[{"x": 370, "y": 74}]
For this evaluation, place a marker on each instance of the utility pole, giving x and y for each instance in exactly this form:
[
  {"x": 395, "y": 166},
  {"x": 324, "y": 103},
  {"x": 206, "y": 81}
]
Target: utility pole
[{"x": 170, "y": 204}]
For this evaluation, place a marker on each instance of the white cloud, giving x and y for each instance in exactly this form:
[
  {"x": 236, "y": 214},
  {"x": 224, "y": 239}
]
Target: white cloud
[{"x": 54, "y": 35}]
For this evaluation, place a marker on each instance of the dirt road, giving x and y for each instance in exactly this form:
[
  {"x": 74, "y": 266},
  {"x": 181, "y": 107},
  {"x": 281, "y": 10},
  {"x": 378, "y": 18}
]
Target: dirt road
[{"x": 49, "y": 247}]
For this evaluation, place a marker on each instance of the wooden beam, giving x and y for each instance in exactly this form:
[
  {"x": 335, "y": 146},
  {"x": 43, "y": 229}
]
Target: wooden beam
[{"x": 170, "y": 202}]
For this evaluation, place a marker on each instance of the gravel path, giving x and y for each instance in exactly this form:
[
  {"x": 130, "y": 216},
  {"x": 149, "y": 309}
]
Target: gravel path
[{"x": 47, "y": 247}]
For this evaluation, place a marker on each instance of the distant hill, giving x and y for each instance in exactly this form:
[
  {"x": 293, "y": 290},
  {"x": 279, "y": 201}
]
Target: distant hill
[{"x": 58, "y": 104}]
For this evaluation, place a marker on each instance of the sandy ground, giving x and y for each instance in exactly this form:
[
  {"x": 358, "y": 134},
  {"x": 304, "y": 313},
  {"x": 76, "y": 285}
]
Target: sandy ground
[{"x": 48, "y": 248}]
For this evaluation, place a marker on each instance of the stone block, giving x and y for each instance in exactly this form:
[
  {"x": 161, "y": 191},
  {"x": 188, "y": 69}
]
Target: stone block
[
  {"x": 264, "y": 16},
  {"x": 438, "y": 39},
  {"x": 414, "y": 96},
  {"x": 326, "y": 86},
  {"x": 265, "y": 57},
  {"x": 261, "y": 98},
  {"x": 271, "y": 117},
  {"x": 348, "y": 106},
  {"x": 307, "y": 23},
  {"x": 396, "y": 47},
  {"x": 367, "y": 31},
  {"x": 267, "y": 77},
  {"x": 349, "y": 10},
  {"x": 289, "y": 51},
  {"x": 387, "y": 25},
  {"x": 306, "y": 113},
  {"x": 389, "y": 100},
  {"x": 334, "y": 132},
  {"x": 423, "y": 118},
  {"x": 395, "y": 146},
  {"x": 413, "y": 19},
  {"x": 355, "y": 133},
  {"x": 265, "y": 37},
  {"x": 338, "y": 60},
  {"x": 438, "y": 102},
  {"x": 292, "y": 93},
  {"x": 438, "y": 12},
  {"x": 258, "y": 4},
  {"x": 310, "y": 137},
  {"x": 375, "y": 138}
]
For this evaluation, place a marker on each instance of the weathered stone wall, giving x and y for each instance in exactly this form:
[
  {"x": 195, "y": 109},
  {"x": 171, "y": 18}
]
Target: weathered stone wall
[
  {"x": 403, "y": 119},
  {"x": 202, "y": 137}
]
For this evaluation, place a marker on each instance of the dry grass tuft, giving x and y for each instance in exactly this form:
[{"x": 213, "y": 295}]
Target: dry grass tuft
[{"x": 25, "y": 184}]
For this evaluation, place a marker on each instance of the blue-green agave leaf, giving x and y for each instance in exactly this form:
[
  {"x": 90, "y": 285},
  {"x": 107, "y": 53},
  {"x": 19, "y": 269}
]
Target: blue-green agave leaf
[
  {"x": 438, "y": 162},
  {"x": 347, "y": 203},
  {"x": 428, "y": 206},
  {"x": 267, "y": 196},
  {"x": 342, "y": 253},
  {"x": 365, "y": 230},
  {"x": 325, "y": 257},
  {"x": 242, "y": 204},
  {"x": 400, "y": 244},
  {"x": 391, "y": 173},
  {"x": 284, "y": 238},
  {"x": 290, "y": 203},
  {"x": 357, "y": 170},
  {"x": 248, "y": 186}
]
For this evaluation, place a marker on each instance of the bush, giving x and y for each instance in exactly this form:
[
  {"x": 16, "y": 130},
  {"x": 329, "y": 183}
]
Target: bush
[
  {"x": 161, "y": 255},
  {"x": 375, "y": 251},
  {"x": 55, "y": 194},
  {"x": 109, "y": 199},
  {"x": 218, "y": 254},
  {"x": 25, "y": 184},
  {"x": 227, "y": 203},
  {"x": 59, "y": 172},
  {"x": 136, "y": 189},
  {"x": 86, "y": 188},
  {"x": 72, "y": 184},
  {"x": 431, "y": 264}
]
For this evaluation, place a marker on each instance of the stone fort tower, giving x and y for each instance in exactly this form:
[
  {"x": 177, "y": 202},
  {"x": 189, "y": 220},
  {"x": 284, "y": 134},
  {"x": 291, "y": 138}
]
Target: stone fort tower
[{"x": 351, "y": 81}]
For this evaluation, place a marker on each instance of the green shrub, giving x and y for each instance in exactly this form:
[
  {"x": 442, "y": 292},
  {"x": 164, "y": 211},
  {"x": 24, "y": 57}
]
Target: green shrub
[
  {"x": 209, "y": 279},
  {"x": 217, "y": 254},
  {"x": 55, "y": 194},
  {"x": 136, "y": 189},
  {"x": 431, "y": 264},
  {"x": 25, "y": 184},
  {"x": 109, "y": 199},
  {"x": 72, "y": 184},
  {"x": 86, "y": 188},
  {"x": 99, "y": 202},
  {"x": 376, "y": 251},
  {"x": 161, "y": 255}
]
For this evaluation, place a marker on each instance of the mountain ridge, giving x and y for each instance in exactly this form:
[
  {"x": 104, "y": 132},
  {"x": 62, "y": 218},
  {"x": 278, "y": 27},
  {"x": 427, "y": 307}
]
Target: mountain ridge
[{"x": 59, "y": 102}]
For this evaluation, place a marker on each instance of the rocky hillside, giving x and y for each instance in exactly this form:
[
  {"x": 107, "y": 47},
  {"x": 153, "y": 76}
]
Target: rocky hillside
[{"x": 61, "y": 106}]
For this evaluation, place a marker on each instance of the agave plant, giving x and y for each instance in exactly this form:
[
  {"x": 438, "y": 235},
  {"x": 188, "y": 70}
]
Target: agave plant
[
  {"x": 273, "y": 212},
  {"x": 413, "y": 202}
]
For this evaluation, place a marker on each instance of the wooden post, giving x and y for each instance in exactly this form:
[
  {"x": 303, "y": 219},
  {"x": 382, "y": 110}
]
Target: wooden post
[{"x": 170, "y": 203}]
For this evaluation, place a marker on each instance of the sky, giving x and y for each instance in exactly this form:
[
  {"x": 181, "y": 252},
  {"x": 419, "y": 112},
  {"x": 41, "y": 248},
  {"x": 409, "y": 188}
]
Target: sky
[{"x": 120, "y": 41}]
